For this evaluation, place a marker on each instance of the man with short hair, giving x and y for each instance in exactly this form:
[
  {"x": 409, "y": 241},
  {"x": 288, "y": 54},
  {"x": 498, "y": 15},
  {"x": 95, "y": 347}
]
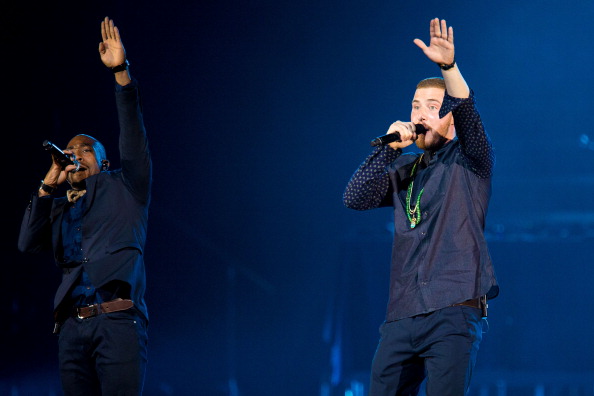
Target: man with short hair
[
  {"x": 441, "y": 273},
  {"x": 98, "y": 233}
]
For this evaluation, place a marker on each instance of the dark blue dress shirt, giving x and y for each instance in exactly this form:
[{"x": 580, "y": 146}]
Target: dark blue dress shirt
[
  {"x": 444, "y": 259},
  {"x": 83, "y": 293}
]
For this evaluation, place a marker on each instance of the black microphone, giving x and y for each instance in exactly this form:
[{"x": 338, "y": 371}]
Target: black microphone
[
  {"x": 395, "y": 137},
  {"x": 62, "y": 158}
]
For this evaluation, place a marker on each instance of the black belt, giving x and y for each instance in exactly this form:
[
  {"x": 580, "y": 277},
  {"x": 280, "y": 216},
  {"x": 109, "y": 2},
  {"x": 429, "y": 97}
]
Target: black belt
[{"x": 97, "y": 309}]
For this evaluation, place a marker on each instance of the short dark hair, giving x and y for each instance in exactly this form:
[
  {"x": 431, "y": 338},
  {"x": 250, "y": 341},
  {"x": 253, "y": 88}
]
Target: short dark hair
[{"x": 432, "y": 82}]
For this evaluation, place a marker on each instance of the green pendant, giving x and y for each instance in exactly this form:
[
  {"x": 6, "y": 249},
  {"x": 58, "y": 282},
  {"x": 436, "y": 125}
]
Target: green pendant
[{"x": 414, "y": 215}]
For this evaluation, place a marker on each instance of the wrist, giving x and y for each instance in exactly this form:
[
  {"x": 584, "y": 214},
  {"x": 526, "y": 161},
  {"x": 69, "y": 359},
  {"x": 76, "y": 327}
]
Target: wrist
[
  {"x": 121, "y": 67},
  {"x": 394, "y": 149},
  {"x": 123, "y": 78},
  {"x": 444, "y": 66},
  {"x": 46, "y": 188}
]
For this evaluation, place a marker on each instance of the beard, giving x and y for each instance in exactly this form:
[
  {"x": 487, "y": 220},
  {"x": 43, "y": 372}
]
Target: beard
[{"x": 438, "y": 142}]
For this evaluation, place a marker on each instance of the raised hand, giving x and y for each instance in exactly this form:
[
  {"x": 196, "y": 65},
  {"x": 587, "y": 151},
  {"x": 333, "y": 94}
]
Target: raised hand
[
  {"x": 441, "y": 46},
  {"x": 111, "y": 48}
]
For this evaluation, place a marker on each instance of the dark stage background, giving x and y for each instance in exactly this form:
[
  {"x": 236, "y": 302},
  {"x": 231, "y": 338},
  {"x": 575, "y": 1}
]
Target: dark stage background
[{"x": 259, "y": 281}]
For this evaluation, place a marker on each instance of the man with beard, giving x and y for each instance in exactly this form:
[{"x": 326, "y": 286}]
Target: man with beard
[
  {"x": 97, "y": 233},
  {"x": 441, "y": 273}
]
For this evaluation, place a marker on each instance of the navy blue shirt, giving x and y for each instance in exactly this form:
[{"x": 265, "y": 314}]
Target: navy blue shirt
[
  {"x": 72, "y": 232},
  {"x": 83, "y": 293},
  {"x": 444, "y": 259}
]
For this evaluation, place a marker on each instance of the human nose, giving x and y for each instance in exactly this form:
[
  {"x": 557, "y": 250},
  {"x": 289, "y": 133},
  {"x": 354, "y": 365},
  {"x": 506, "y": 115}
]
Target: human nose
[
  {"x": 76, "y": 154},
  {"x": 418, "y": 116},
  {"x": 70, "y": 154}
]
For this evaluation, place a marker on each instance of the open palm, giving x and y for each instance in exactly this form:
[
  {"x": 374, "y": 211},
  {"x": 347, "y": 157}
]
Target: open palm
[
  {"x": 111, "y": 48},
  {"x": 441, "y": 45}
]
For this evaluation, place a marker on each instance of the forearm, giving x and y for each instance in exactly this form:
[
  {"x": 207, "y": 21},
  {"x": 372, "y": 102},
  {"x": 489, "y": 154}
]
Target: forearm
[
  {"x": 370, "y": 184},
  {"x": 133, "y": 144},
  {"x": 455, "y": 83},
  {"x": 123, "y": 78},
  {"x": 475, "y": 143},
  {"x": 35, "y": 232}
]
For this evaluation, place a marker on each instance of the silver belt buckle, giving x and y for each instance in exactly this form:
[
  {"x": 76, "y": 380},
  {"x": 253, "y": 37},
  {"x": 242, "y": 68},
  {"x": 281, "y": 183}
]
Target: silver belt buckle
[{"x": 93, "y": 311}]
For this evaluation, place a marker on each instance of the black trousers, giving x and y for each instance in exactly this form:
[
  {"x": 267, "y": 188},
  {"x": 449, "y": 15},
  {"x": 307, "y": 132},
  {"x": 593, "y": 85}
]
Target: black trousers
[
  {"x": 440, "y": 346},
  {"x": 103, "y": 355}
]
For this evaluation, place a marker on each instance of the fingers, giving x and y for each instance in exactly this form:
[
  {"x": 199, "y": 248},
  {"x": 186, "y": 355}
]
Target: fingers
[
  {"x": 406, "y": 132},
  {"x": 69, "y": 168},
  {"x": 405, "y": 129},
  {"x": 443, "y": 30},
  {"x": 447, "y": 33},
  {"x": 434, "y": 28},
  {"x": 109, "y": 30},
  {"x": 439, "y": 29},
  {"x": 103, "y": 30},
  {"x": 440, "y": 48},
  {"x": 55, "y": 175},
  {"x": 420, "y": 44}
]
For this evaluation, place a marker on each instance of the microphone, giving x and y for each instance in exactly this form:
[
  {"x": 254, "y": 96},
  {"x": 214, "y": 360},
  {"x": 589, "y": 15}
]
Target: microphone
[
  {"x": 395, "y": 137},
  {"x": 62, "y": 158}
]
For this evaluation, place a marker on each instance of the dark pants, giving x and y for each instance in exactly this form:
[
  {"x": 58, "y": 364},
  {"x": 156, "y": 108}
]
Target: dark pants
[
  {"x": 440, "y": 346},
  {"x": 103, "y": 355}
]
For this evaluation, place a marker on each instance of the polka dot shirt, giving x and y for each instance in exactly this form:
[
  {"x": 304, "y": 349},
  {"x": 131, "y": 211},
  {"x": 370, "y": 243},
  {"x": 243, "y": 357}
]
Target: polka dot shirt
[
  {"x": 441, "y": 258},
  {"x": 370, "y": 184}
]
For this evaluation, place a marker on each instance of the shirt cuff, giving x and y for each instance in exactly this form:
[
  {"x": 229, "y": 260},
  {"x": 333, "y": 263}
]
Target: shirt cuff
[
  {"x": 128, "y": 87},
  {"x": 388, "y": 153},
  {"x": 450, "y": 103}
]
